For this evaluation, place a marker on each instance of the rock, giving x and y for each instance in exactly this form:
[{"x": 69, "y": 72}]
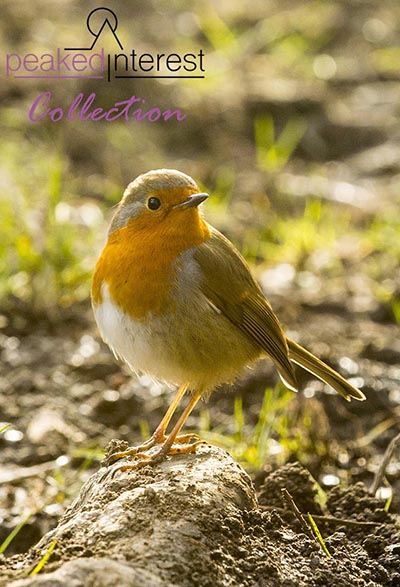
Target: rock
[{"x": 153, "y": 527}]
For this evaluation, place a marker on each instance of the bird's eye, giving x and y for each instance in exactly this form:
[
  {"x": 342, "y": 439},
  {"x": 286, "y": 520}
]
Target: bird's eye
[{"x": 153, "y": 203}]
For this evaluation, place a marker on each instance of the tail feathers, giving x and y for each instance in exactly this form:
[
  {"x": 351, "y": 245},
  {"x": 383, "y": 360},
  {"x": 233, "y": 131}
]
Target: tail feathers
[
  {"x": 289, "y": 383},
  {"x": 321, "y": 370}
]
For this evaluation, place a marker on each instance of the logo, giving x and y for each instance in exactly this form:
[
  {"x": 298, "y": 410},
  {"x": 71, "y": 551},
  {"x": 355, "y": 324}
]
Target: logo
[{"x": 92, "y": 61}]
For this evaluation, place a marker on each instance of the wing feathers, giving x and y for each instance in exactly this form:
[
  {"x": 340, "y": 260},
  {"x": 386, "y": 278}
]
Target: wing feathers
[
  {"x": 229, "y": 285},
  {"x": 261, "y": 324}
]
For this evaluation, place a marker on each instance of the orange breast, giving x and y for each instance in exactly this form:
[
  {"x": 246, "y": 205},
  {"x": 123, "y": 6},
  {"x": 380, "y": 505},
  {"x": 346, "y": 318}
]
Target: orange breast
[{"x": 137, "y": 264}]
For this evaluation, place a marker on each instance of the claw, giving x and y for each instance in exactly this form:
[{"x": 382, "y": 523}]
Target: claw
[
  {"x": 133, "y": 451},
  {"x": 186, "y": 449},
  {"x": 186, "y": 438}
]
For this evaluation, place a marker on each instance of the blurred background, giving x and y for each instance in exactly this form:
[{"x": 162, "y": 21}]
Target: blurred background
[{"x": 295, "y": 132}]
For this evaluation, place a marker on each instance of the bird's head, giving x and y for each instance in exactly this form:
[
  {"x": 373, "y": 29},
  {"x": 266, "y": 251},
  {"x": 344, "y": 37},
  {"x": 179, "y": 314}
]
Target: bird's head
[{"x": 160, "y": 199}]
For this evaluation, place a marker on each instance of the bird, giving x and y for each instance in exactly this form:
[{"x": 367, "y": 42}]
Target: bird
[{"x": 173, "y": 298}]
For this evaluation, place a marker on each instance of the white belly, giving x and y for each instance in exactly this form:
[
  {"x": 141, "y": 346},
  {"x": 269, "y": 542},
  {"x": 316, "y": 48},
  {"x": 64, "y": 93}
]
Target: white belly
[{"x": 134, "y": 341}]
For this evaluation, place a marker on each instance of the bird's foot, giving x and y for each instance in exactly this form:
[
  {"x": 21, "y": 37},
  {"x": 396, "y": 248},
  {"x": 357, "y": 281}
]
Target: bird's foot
[
  {"x": 141, "y": 459},
  {"x": 156, "y": 439}
]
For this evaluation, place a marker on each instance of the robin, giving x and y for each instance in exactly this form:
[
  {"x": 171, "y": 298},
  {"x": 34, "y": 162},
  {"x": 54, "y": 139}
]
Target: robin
[{"x": 173, "y": 298}]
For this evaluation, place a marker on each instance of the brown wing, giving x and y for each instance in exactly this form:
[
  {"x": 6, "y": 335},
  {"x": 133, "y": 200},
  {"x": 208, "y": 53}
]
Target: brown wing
[{"x": 229, "y": 285}]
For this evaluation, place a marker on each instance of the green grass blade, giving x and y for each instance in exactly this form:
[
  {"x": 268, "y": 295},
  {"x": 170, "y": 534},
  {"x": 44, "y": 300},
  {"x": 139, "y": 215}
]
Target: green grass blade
[
  {"x": 388, "y": 503},
  {"x": 318, "y": 535},
  {"x": 44, "y": 559},
  {"x": 6, "y": 543}
]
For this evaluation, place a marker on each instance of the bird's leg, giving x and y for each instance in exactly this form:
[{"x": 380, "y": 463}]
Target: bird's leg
[
  {"x": 173, "y": 438},
  {"x": 168, "y": 447},
  {"x": 158, "y": 437},
  {"x": 159, "y": 433}
]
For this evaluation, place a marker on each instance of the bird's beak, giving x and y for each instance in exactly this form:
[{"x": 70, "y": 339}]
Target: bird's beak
[{"x": 192, "y": 201}]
